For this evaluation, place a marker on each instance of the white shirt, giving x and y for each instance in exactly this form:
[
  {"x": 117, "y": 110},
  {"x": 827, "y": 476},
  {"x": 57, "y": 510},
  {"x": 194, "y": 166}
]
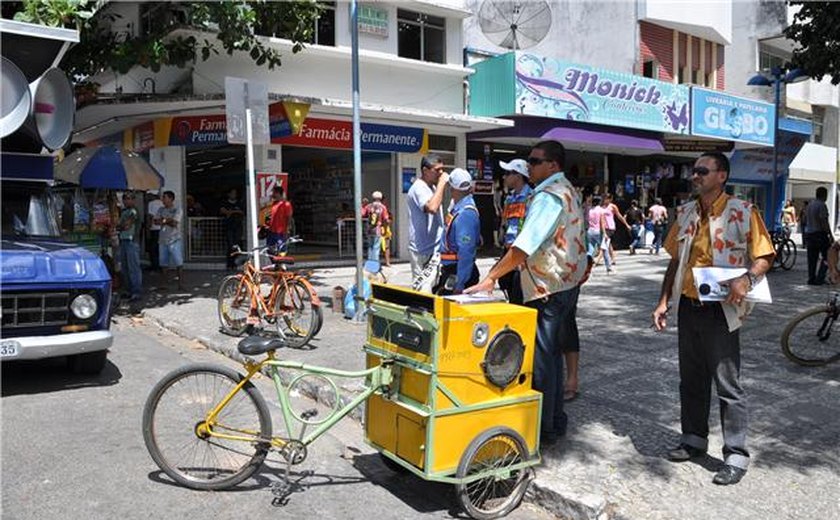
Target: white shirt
[{"x": 154, "y": 207}]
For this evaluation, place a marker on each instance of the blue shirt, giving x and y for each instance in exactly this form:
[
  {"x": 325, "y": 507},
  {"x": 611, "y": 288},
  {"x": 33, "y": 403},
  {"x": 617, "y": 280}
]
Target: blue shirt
[
  {"x": 462, "y": 238},
  {"x": 542, "y": 217},
  {"x": 425, "y": 230}
]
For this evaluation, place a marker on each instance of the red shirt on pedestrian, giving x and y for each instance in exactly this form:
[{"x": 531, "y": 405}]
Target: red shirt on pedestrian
[{"x": 281, "y": 214}]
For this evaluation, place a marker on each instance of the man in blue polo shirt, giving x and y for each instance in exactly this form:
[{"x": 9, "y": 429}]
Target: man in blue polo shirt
[{"x": 461, "y": 238}]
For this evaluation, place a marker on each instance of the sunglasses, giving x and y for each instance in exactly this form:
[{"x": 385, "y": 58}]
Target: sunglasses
[
  {"x": 536, "y": 161},
  {"x": 700, "y": 170}
]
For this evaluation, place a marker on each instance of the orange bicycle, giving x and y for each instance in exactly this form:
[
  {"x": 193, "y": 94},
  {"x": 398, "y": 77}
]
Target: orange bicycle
[{"x": 274, "y": 295}]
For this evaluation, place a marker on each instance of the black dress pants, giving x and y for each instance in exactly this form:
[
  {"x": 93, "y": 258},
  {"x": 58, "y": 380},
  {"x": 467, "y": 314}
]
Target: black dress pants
[{"x": 817, "y": 244}]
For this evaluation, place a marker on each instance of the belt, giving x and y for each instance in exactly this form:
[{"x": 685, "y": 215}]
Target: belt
[
  {"x": 694, "y": 302},
  {"x": 449, "y": 256}
]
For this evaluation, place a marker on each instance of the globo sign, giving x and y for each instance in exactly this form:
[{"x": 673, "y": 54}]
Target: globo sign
[{"x": 722, "y": 116}]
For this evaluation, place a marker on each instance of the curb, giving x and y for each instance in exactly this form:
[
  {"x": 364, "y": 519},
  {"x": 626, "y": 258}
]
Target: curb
[{"x": 542, "y": 492}]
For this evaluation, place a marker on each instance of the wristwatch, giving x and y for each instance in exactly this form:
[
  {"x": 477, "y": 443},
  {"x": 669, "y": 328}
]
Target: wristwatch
[{"x": 752, "y": 278}]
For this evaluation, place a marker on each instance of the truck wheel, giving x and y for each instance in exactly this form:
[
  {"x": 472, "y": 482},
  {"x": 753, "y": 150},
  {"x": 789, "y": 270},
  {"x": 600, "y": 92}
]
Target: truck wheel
[{"x": 88, "y": 363}]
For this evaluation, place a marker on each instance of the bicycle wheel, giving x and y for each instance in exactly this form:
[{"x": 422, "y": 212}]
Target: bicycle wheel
[
  {"x": 493, "y": 452},
  {"x": 296, "y": 317},
  {"x": 787, "y": 252},
  {"x": 175, "y": 431},
  {"x": 234, "y": 304},
  {"x": 810, "y": 339}
]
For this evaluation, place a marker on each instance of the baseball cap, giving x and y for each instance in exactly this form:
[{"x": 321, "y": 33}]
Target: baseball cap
[
  {"x": 460, "y": 179},
  {"x": 517, "y": 166},
  {"x": 377, "y": 195}
]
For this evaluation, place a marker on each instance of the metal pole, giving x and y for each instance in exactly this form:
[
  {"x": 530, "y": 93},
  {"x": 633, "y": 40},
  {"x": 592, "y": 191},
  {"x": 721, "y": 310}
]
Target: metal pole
[
  {"x": 357, "y": 158},
  {"x": 773, "y": 213},
  {"x": 252, "y": 189}
]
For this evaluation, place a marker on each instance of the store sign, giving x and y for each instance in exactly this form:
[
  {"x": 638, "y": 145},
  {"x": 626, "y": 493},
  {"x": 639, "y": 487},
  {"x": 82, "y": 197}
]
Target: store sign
[
  {"x": 756, "y": 165},
  {"x": 372, "y": 20},
  {"x": 724, "y": 116},
  {"x": 327, "y": 133},
  {"x": 198, "y": 131},
  {"x": 554, "y": 88},
  {"x": 678, "y": 144}
]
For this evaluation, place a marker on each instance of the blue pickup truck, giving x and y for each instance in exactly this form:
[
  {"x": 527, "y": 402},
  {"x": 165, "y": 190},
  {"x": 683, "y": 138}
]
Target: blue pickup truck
[{"x": 55, "y": 295}]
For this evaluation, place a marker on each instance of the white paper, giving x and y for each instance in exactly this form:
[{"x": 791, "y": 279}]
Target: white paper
[
  {"x": 712, "y": 276},
  {"x": 465, "y": 299}
]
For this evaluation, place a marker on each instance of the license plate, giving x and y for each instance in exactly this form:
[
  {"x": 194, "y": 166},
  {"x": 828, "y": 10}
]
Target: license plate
[{"x": 9, "y": 348}]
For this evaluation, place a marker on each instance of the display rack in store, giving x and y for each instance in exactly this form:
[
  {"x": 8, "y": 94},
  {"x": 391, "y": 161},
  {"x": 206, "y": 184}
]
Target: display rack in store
[{"x": 319, "y": 197}]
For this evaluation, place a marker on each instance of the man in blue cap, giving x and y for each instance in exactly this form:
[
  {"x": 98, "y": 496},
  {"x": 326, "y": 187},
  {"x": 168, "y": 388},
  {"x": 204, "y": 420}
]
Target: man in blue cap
[{"x": 461, "y": 237}]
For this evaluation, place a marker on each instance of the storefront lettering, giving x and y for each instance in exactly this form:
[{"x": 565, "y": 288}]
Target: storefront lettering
[
  {"x": 591, "y": 83},
  {"x": 735, "y": 121},
  {"x": 325, "y": 134}
]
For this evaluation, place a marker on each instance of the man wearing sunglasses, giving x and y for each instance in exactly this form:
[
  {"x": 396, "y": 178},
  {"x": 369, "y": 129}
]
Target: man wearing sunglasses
[
  {"x": 550, "y": 248},
  {"x": 718, "y": 230}
]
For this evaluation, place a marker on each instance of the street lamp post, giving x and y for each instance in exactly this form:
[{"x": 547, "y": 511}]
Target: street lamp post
[{"x": 780, "y": 76}]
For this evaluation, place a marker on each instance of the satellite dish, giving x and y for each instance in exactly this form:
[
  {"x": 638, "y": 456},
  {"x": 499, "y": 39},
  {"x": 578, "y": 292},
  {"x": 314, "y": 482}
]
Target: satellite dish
[{"x": 515, "y": 24}]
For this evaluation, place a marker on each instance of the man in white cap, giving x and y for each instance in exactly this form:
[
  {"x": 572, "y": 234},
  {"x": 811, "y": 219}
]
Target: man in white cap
[
  {"x": 513, "y": 216},
  {"x": 461, "y": 237},
  {"x": 376, "y": 215}
]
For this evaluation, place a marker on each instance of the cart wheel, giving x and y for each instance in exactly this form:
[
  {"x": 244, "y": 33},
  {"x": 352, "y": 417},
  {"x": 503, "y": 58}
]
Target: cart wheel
[{"x": 497, "y": 494}]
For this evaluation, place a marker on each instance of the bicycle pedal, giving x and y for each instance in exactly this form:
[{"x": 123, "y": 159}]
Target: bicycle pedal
[{"x": 309, "y": 414}]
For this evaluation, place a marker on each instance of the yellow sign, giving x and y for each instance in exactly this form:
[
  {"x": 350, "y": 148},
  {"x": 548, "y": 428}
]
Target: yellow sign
[{"x": 296, "y": 113}]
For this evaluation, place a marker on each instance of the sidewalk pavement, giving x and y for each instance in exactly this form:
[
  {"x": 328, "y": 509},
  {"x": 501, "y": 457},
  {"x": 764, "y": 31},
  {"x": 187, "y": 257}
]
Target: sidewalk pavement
[{"x": 610, "y": 464}]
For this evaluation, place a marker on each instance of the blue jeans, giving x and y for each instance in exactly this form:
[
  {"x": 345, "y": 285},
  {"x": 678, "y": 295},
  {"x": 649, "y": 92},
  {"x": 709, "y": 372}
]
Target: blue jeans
[
  {"x": 594, "y": 240},
  {"x": 374, "y": 247},
  {"x": 555, "y": 324},
  {"x": 130, "y": 263},
  {"x": 636, "y": 230},
  {"x": 658, "y": 235},
  {"x": 275, "y": 240}
]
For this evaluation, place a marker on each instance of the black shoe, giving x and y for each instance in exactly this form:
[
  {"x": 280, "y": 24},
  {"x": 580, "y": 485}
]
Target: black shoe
[
  {"x": 729, "y": 475},
  {"x": 684, "y": 452}
]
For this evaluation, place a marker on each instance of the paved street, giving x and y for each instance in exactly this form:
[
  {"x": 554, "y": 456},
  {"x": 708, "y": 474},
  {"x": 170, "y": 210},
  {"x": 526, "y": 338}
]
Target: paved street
[
  {"x": 610, "y": 464},
  {"x": 73, "y": 449}
]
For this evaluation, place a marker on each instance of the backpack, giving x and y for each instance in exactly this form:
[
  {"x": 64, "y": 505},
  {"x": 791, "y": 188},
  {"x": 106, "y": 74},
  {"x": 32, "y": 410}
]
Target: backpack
[{"x": 374, "y": 217}]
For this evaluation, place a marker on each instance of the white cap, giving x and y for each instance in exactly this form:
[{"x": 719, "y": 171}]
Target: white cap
[
  {"x": 519, "y": 166},
  {"x": 460, "y": 179},
  {"x": 377, "y": 195}
]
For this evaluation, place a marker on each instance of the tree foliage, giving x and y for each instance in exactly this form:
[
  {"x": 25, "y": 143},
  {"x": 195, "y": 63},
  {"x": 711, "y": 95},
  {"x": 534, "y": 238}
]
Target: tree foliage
[
  {"x": 234, "y": 23},
  {"x": 816, "y": 30}
]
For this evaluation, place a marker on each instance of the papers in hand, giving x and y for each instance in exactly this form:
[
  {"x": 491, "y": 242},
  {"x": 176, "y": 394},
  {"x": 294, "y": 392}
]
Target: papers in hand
[
  {"x": 707, "y": 280},
  {"x": 481, "y": 297}
]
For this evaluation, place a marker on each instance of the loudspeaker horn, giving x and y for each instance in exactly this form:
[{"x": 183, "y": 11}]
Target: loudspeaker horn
[
  {"x": 16, "y": 99},
  {"x": 53, "y": 109}
]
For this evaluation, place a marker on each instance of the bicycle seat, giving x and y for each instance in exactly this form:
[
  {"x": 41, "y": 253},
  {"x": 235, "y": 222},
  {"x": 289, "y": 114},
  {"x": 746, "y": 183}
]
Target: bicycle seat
[{"x": 255, "y": 345}]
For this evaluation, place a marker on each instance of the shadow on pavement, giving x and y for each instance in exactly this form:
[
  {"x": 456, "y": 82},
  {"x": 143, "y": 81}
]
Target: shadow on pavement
[{"x": 51, "y": 375}]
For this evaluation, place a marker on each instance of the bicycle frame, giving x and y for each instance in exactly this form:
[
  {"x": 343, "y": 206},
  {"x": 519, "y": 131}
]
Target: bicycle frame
[
  {"x": 380, "y": 377},
  {"x": 280, "y": 280}
]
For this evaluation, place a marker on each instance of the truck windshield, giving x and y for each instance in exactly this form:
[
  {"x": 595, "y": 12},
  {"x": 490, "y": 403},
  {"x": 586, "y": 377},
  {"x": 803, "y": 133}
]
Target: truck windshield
[{"x": 30, "y": 209}]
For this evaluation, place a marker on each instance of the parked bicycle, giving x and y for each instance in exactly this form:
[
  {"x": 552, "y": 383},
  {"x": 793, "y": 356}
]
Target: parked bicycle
[
  {"x": 275, "y": 295},
  {"x": 785, "y": 249},
  {"x": 810, "y": 339}
]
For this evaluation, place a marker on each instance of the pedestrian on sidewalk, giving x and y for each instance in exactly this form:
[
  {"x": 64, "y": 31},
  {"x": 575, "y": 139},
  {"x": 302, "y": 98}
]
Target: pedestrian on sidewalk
[
  {"x": 280, "y": 219},
  {"x": 708, "y": 332},
  {"x": 596, "y": 234},
  {"x": 425, "y": 224},
  {"x": 551, "y": 245},
  {"x": 233, "y": 212},
  {"x": 170, "y": 217},
  {"x": 636, "y": 219},
  {"x": 153, "y": 237},
  {"x": 658, "y": 215},
  {"x": 516, "y": 180},
  {"x": 129, "y": 229},
  {"x": 818, "y": 237},
  {"x": 612, "y": 213},
  {"x": 376, "y": 217},
  {"x": 460, "y": 239}
]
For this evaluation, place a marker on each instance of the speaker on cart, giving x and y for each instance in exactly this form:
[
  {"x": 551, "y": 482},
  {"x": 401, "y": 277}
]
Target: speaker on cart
[
  {"x": 16, "y": 99},
  {"x": 50, "y": 113}
]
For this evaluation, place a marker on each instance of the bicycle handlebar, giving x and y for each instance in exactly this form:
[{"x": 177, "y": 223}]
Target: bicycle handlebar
[{"x": 250, "y": 252}]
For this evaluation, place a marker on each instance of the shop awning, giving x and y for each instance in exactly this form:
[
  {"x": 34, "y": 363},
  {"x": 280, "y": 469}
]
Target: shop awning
[
  {"x": 814, "y": 163},
  {"x": 567, "y": 136}
]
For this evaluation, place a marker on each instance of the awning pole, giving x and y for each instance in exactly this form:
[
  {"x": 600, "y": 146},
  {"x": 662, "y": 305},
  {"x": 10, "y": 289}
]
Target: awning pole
[{"x": 357, "y": 160}]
